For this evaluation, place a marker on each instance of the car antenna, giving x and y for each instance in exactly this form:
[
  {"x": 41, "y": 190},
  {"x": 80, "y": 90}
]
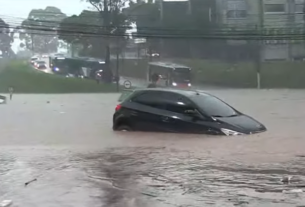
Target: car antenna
[{"x": 197, "y": 92}]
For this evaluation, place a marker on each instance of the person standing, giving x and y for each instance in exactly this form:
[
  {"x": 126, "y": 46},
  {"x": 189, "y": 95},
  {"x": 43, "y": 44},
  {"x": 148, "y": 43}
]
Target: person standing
[
  {"x": 11, "y": 91},
  {"x": 154, "y": 80}
]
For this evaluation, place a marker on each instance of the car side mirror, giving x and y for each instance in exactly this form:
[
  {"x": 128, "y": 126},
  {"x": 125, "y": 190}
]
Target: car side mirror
[{"x": 192, "y": 113}]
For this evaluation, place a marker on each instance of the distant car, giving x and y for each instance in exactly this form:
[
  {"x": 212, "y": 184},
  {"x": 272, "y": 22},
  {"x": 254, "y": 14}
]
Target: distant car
[
  {"x": 2, "y": 99},
  {"x": 181, "y": 111},
  {"x": 33, "y": 60},
  {"x": 153, "y": 54},
  {"x": 42, "y": 67},
  {"x": 44, "y": 56},
  {"x": 40, "y": 63}
]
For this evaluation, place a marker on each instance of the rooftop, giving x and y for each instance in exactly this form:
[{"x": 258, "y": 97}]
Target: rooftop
[
  {"x": 179, "y": 91},
  {"x": 168, "y": 64}
]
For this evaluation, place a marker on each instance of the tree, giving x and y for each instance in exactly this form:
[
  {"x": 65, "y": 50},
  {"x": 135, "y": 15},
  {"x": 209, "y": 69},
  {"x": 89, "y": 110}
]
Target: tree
[
  {"x": 6, "y": 39},
  {"x": 114, "y": 24},
  {"x": 39, "y": 30},
  {"x": 97, "y": 30},
  {"x": 85, "y": 30},
  {"x": 146, "y": 15},
  {"x": 175, "y": 27}
]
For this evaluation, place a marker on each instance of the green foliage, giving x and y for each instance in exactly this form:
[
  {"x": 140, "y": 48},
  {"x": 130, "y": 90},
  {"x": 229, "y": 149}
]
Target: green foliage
[
  {"x": 27, "y": 80},
  {"x": 147, "y": 19},
  {"x": 77, "y": 29},
  {"x": 90, "y": 28},
  {"x": 39, "y": 29},
  {"x": 6, "y": 38},
  {"x": 179, "y": 24}
]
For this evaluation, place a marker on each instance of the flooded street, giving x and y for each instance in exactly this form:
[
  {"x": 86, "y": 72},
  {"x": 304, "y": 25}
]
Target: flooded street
[{"x": 60, "y": 150}]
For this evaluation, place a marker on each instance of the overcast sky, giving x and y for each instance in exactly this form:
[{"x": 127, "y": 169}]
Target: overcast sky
[
  {"x": 21, "y": 8},
  {"x": 15, "y": 11}
]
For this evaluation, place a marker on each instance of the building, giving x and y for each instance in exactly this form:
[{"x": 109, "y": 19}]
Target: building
[
  {"x": 274, "y": 17},
  {"x": 282, "y": 17}
]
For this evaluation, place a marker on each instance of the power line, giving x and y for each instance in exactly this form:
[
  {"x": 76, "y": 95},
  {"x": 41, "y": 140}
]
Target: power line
[
  {"x": 160, "y": 31},
  {"x": 77, "y": 25},
  {"x": 68, "y": 33}
]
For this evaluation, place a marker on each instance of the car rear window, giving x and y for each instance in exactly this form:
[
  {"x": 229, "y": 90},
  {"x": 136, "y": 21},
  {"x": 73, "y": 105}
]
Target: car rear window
[
  {"x": 213, "y": 106},
  {"x": 124, "y": 95}
]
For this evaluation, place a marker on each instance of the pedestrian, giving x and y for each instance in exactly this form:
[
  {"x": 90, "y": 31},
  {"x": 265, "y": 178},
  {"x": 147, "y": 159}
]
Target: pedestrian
[
  {"x": 154, "y": 80},
  {"x": 11, "y": 91}
]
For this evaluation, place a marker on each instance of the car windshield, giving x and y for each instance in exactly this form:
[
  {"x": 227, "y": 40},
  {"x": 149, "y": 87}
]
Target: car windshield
[
  {"x": 182, "y": 74},
  {"x": 213, "y": 106}
]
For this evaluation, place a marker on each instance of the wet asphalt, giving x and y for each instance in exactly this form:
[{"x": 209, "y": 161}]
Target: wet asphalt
[{"x": 59, "y": 150}]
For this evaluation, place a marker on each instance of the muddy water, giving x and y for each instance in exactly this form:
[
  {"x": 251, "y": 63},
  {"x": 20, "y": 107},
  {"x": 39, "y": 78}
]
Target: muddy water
[{"x": 64, "y": 147}]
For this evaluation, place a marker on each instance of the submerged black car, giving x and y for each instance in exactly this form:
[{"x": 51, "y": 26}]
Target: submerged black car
[{"x": 179, "y": 111}]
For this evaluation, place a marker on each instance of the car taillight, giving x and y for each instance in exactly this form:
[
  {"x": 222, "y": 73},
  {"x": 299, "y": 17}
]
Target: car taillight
[{"x": 118, "y": 107}]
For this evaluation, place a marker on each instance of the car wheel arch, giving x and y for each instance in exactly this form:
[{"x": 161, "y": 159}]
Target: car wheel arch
[{"x": 123, "y": 122}]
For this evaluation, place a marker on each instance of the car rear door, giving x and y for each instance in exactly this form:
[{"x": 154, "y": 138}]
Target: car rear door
[{"x": 147, "y": 109}]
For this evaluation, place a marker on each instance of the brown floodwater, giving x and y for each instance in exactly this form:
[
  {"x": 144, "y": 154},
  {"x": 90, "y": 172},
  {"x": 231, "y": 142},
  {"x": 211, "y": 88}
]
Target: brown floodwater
[{"x": 64, "y": 147}]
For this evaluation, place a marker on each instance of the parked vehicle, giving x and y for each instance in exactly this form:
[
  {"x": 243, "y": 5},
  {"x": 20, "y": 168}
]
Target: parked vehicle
[
  {"x": 33, "y": 60},
  {"x": 40, "y": 64}
]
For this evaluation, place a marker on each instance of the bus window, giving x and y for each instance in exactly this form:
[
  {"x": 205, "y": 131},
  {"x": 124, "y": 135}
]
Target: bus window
[{"x": 182, "y": 74}]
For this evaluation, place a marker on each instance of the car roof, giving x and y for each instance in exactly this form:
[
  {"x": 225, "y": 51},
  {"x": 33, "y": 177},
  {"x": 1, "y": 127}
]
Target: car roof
[
  {"x": 187, "y": 93},
  {"x": 168, "y": 65}
]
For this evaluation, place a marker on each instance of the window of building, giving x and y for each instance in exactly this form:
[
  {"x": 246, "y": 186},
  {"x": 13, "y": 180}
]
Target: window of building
[
  {"x": 236, "y": 14},
  {"x": 299, "y": 8},
  {"x": 274, "y": 8},
  {"x": 236, "y": 9}
]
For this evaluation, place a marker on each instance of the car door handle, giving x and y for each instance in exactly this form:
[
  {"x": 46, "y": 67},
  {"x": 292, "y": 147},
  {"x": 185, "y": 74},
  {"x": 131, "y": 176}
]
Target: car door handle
[
  {"x": 134, "y": 113},
  {"x": 165, "y": 119}
]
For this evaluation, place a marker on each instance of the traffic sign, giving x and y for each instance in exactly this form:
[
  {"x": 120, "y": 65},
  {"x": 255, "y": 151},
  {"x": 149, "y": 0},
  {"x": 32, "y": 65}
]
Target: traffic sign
[
  {"x": 2, "y": 99},
  {"x": 127, "y": 84}
]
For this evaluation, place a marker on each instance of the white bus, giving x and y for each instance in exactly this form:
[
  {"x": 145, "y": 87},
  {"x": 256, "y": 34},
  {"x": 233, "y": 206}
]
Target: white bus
[{"x": 170, "y": 74}]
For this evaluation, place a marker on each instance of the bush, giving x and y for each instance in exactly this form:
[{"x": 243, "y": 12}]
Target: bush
[
  {"x": 242, "y": 74},
  {"x": 25, "y": 79}
]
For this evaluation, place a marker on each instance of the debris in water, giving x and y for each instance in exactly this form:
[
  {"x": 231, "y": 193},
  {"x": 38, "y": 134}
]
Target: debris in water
[
  {"x": 148, "y": 194},
  {"x": 27, "y": 183},
  {"x": 6, "y": 203},
  {"x": 293, "y": 191},
  {"x": 286, "y": 180}
]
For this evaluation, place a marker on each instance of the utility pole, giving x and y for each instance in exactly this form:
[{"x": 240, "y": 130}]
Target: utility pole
[
  {"x": 258, "y": 59},
  {"x": 117, "y": 76},
  {"x": 106, "y": 18},
  {"x": 32, "y": 39},
  {"x": 290, "y": 24},
  {"x": 32, "y": 43}
]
